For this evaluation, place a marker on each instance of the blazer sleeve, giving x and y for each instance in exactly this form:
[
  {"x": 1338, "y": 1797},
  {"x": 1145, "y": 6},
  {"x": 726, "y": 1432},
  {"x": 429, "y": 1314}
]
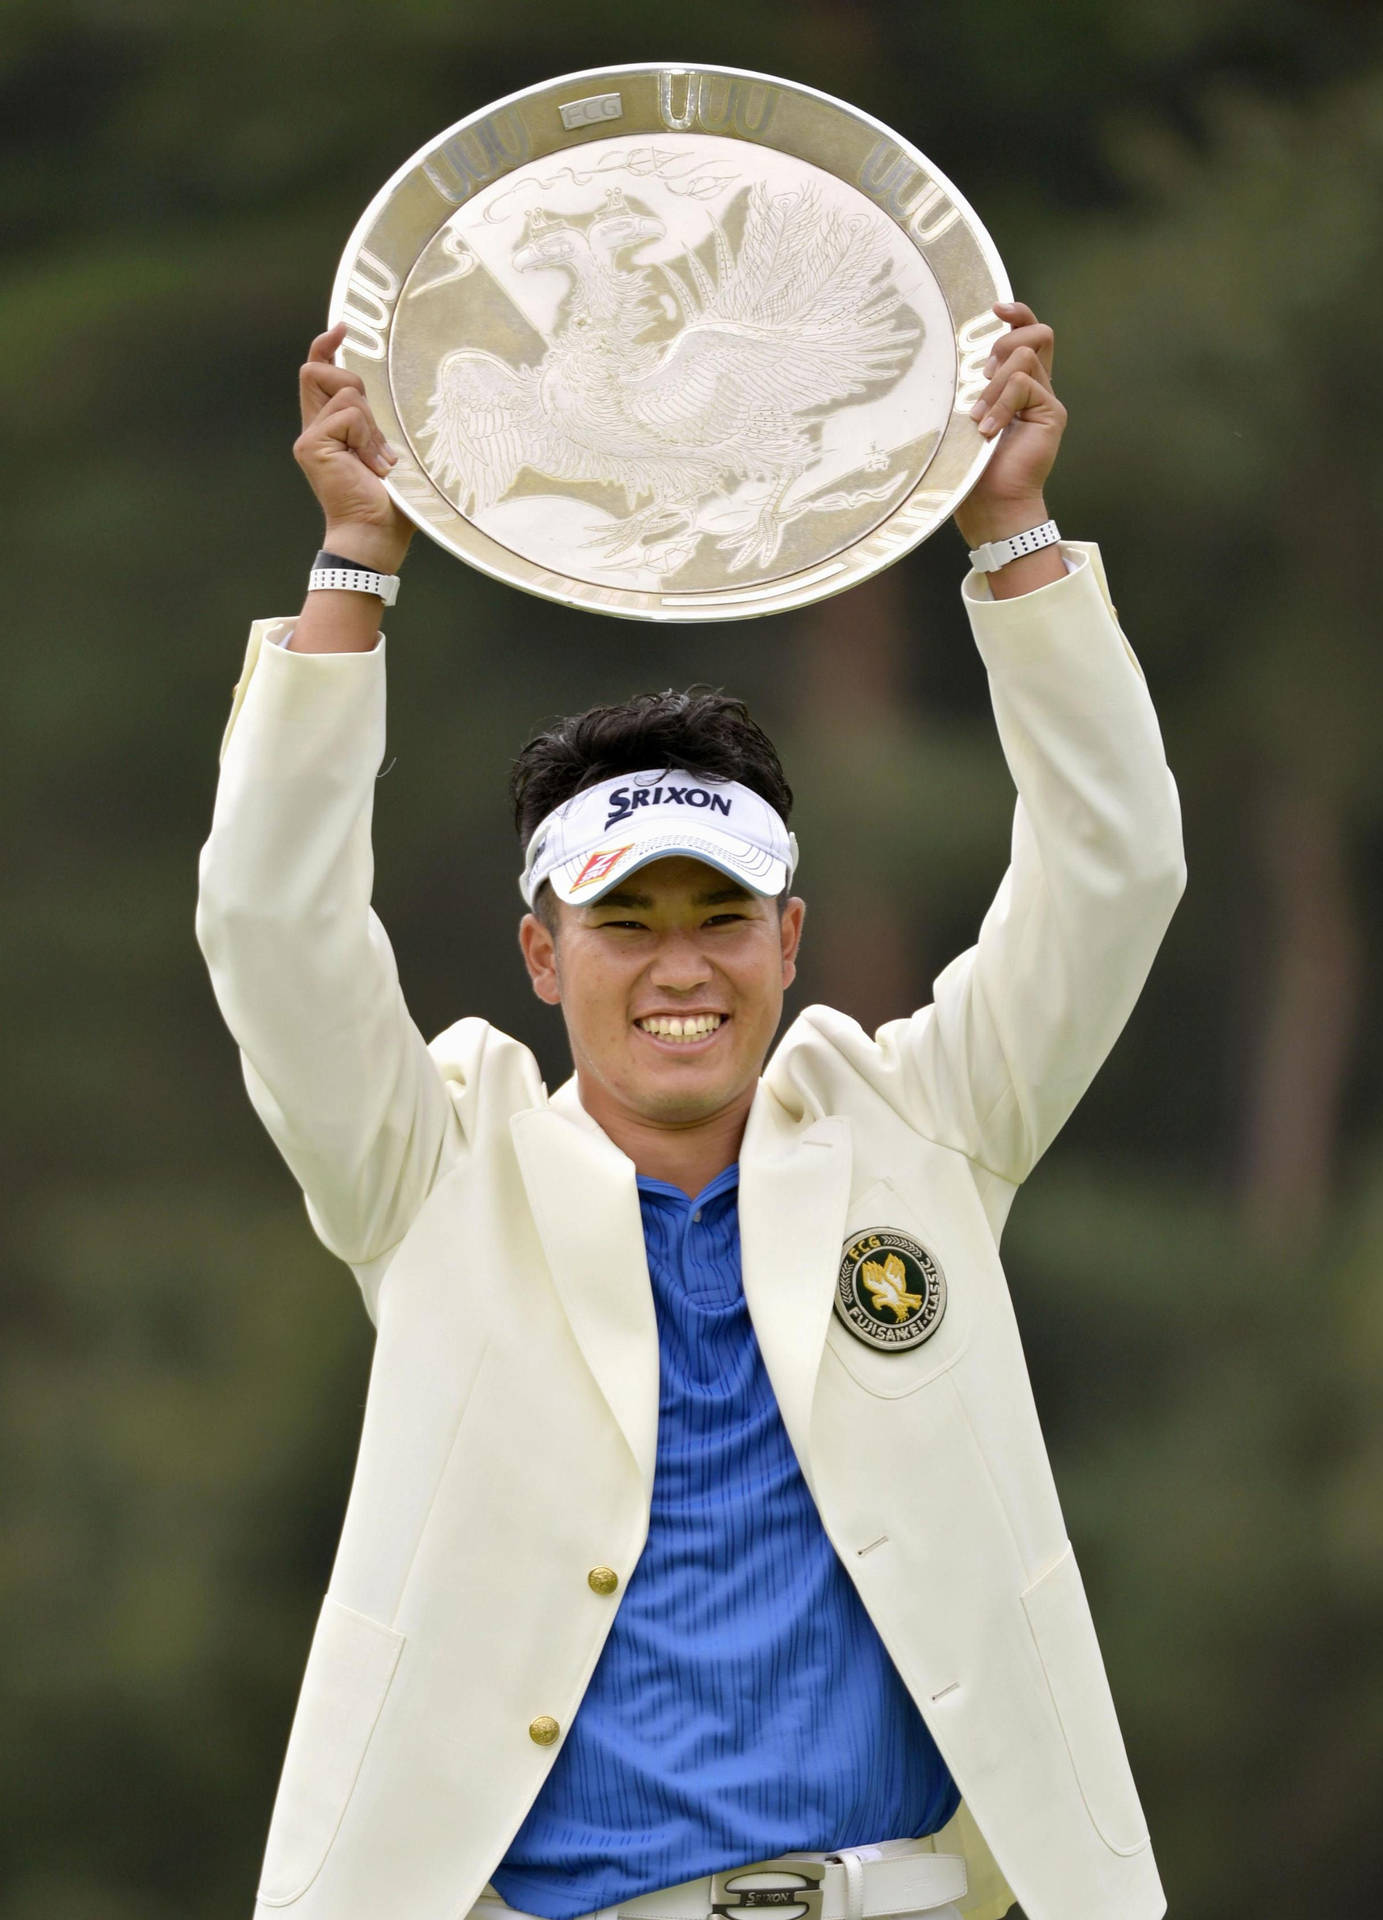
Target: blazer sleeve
[
  {"x": 1020, "y": 1023},
  {"x": 301, "y": 967}
]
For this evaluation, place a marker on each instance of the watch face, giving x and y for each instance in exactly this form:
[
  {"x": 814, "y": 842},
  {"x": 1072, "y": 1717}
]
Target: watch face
[{"x": 678, "y": 344}]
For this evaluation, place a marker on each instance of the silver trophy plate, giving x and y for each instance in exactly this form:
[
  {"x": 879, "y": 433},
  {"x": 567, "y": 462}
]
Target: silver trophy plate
[{"x": 675, "y": 343}]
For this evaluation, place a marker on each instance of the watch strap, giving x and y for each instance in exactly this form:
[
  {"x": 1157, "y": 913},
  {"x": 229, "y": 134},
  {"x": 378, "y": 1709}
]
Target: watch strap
[
  {"x": 997, "y": 553},
  {"x": 332, "y": 572}
]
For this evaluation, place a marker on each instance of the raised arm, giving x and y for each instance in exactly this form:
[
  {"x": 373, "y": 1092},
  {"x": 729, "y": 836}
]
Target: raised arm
[
  {"x": 346, "y": 459},
  {"x": 1020, "y": 1023},
  {"x": 301, "y": 967},
  {"x": 1018, "y": 409}
]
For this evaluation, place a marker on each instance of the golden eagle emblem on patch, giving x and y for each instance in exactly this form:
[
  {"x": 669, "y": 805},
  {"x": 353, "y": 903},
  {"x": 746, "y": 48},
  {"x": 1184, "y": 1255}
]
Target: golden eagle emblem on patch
[{"x": 890, "y": 1292}]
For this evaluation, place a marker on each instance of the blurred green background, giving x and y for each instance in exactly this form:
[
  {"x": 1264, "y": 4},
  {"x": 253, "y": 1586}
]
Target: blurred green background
[{"x": 1191, "y": 194}]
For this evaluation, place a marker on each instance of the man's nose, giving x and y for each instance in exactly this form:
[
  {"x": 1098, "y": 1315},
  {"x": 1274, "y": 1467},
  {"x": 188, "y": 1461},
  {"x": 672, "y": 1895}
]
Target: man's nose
[{"x": 679, "y": 964}]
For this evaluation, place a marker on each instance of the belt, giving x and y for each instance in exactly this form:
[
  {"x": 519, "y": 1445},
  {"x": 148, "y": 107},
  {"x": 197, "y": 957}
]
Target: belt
[{"x": 859, "y": 1883}]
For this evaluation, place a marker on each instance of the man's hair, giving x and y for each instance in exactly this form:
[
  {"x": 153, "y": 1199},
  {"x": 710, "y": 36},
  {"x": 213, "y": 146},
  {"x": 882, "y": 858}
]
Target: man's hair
[{"x": 701, "y": 731}]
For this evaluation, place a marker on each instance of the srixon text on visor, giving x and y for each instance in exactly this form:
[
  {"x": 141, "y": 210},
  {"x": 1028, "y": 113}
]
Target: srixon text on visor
[{"x": 624, "y": 800}]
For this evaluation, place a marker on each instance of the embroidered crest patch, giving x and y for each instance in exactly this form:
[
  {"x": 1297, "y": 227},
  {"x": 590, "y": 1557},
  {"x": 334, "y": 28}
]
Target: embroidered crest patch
[{"x": 890, "y": 1292}]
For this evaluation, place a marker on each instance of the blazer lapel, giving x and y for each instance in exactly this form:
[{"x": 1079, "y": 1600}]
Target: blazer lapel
[
  {"x": 586, "y": 1206},
  {"x": 794, "y": 1195}
]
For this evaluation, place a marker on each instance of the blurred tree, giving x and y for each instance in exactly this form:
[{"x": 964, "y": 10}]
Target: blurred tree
[{"x": 1240, "y": 446}]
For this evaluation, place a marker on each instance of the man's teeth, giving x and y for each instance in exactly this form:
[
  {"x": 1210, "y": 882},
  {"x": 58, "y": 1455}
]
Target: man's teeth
[{"x": 668, "y": 1026}]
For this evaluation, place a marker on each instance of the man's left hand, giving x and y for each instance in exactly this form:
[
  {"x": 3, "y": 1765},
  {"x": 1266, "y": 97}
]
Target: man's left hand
[{"x": 1019, "y": 409}]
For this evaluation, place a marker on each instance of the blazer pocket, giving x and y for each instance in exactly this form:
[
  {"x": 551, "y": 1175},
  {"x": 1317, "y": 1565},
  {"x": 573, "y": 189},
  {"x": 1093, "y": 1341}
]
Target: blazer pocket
[
  {"x": 893, "y": 1375},
  {"x": 1059, "y": 1616},
  {"x": 349, "y": 1671}
]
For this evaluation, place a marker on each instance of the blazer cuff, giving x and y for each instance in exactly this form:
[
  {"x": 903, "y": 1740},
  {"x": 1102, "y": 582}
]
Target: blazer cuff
[
  {"x": 275, "y": 633},
  {"x": 1003, "y": 628}
]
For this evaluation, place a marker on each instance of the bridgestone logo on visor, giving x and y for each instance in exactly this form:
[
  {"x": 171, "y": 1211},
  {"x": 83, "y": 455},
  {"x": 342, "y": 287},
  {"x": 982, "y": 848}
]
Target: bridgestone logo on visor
[
  {"x": 598, "y": 866},
  {"x": 624, "y": 800}
]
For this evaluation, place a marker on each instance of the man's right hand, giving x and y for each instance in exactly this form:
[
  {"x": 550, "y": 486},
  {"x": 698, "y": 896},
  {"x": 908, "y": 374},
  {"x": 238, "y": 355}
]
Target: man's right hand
[{"x": 345, "y": 457}]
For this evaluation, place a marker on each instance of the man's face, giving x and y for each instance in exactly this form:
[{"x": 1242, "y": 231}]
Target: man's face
[{"x": 679, "y": 945}]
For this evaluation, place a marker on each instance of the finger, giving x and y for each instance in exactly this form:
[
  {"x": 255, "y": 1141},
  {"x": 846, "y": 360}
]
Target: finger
[
  {"x": 1022, "y": 356},
  {"x": 351, "y": 399},
  {"x": 1014, "y": 312},
  {"x": 352, "y": 425},
  {"x": 1039, "y": 338},
  {"x": 1024, "y": 360},
  {"x": 315, "y": 381},
  {"x": 318, "y": 381},
  {"x": 325, "y": 345},
  {"x": 1024, "y": 398},
  {"x": 323, "y": 378},
  {"x": 347, "y": 419}
]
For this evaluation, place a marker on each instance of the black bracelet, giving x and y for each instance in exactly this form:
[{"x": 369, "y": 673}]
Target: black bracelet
[{"x": 325, "y": 558}]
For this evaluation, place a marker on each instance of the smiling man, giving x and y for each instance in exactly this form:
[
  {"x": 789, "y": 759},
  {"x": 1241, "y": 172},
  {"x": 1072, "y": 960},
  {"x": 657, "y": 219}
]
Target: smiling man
[
  {"x": 664, "y": 933},
  {"x": 703, "y": 1553}
]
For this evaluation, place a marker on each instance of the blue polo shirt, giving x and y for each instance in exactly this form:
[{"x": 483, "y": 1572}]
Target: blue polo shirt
[{"x": 743, "y": 1705}]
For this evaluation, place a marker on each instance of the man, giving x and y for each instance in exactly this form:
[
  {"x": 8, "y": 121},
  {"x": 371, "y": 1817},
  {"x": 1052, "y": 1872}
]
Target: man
[{"x": 702, "y": 1519}]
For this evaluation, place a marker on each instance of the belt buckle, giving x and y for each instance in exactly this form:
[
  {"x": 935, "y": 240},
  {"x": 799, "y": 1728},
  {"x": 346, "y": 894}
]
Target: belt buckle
[{"x": 800, "y": 1902}]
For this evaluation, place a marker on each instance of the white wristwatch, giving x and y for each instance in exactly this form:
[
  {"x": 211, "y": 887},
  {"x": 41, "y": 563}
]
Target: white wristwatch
[
  {"x": 331, "y": 573},
  {"x": 998, "y": 553}
]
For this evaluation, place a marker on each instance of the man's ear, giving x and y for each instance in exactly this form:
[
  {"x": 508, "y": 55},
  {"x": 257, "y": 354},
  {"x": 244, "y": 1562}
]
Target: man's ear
[
  {"x": 539, "y": 949},
  {"x": 790, "y": 932}
]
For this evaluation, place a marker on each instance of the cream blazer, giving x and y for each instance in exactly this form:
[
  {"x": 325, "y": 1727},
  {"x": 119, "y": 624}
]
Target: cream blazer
[{"x": 509, "y": 1431}]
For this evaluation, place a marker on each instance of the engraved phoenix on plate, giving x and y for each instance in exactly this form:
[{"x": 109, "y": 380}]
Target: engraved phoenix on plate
[
  {"x": 694, "y": 363},
  {"x": 673, "y": 343}
]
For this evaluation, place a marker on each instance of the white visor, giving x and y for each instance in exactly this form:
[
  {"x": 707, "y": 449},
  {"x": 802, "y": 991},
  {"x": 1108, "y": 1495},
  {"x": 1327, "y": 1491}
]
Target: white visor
[{"x": 603, "y": 834}]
